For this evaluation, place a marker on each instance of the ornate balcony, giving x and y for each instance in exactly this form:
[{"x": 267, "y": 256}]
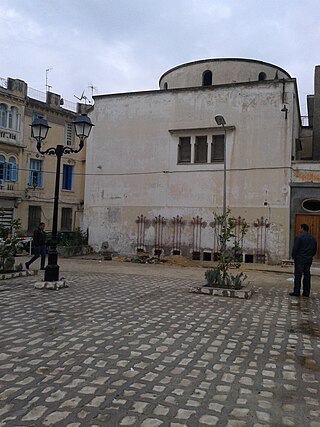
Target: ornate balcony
[{"x": 9, "y": 137}]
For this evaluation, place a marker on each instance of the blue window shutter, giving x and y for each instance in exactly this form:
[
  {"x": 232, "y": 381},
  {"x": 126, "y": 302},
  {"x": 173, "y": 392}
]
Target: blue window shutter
[
  {"x": 67, "y": 177},
  {"x": 64, "y": 177},
  {"x": 70, "y": 178}
]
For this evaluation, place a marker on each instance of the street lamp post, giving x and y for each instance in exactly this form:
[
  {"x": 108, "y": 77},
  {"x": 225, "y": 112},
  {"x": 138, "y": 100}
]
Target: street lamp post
[
  {"x": 39, "y": 131},
  {"x": 221, "y": 122}
]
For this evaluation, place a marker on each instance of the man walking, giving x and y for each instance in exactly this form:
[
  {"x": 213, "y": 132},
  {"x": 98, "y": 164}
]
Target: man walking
[
  {"x": 39, "y": 240},
  {"x": 304, "y": 249}
]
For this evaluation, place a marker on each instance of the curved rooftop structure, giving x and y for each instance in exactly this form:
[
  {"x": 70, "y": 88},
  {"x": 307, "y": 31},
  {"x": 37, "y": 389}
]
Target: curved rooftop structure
[{"x": 211, "y": 72}]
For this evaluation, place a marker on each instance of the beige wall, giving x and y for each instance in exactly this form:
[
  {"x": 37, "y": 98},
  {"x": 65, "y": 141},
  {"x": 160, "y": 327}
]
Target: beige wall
[
  {"x": 224, "y": 71},
  {"x": 132, "y": 163}
]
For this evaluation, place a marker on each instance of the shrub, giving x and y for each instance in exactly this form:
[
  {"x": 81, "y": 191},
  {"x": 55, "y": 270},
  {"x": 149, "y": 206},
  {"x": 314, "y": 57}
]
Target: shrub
[{"x": 230, "y": 253}]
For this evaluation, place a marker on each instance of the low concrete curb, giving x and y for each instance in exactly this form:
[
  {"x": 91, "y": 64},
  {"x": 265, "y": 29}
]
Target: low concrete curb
[
  {"x": 54, "y": 286},
  {"x": 244, "y": 293},
  {"x": 25, "y": 273}
]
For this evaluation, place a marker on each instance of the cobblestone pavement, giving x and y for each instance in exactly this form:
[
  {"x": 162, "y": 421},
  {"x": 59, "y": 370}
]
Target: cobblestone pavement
[{"x": 118, "y": 349}]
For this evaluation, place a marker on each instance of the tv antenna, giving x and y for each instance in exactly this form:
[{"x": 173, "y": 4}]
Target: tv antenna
[
  {"x": 83, "y": 96},
  {"x": 93, "y": 89},
  {"x": 48, "y": 87}
]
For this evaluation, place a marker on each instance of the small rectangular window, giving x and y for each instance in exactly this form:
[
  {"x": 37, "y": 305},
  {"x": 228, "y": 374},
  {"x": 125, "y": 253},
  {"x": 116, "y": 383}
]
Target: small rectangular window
[
  {"x": 67, "y": 177},
  {"x": 200, "y": 149},
  {"x": 66, "y": 219},
  {"x": 217, "y": 148},
  {"x": 184, "y": 150}
]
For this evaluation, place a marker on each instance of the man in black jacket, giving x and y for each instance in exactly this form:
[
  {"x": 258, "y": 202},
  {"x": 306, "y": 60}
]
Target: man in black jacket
[
  {"x": 39, "y": 241},
  {"x": 304, "y": 249}
]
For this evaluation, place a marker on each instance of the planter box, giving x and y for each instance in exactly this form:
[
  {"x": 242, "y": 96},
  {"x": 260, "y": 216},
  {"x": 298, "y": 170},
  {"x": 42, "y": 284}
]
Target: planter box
[{"x": 244, "y": 293}]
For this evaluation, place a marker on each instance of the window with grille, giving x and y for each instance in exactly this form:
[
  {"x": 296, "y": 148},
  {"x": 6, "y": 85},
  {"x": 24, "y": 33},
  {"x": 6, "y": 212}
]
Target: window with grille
[{"x": 184, "y": 150}]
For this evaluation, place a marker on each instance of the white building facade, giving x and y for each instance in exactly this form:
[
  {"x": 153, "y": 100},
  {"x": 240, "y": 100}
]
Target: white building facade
[{"x": 155, "y": 161}]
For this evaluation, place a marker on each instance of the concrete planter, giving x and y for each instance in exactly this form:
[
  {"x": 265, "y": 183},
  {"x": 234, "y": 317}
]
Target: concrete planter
[{"x": 14, "y": 274}]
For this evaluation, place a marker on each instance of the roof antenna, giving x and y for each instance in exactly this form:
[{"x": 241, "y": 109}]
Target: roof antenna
[
  {"x": 93, "y": 89},
  {"x": 47, "y": 86}
]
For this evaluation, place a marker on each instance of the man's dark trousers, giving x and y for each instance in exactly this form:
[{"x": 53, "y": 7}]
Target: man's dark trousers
[
  {"x": 38, "y": 251},
  {"x": 302, "y": 267}
]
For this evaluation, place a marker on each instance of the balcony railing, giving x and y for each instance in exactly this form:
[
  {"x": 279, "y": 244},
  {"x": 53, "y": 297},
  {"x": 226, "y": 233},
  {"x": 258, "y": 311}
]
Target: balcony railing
[
  {"x": 8, "y": 136},
  {"x": 7, "y": 186}
]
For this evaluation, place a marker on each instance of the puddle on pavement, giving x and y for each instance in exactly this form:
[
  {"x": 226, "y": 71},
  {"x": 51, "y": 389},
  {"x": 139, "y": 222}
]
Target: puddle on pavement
[
  {"x": 308, "y": 327},
  {"x": 307, "y": 363},
  {"x": 303, "y": 361}
]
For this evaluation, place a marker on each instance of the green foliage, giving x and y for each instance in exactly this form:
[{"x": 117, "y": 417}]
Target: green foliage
[
  {"x": 19, "y": 267},
  {"x": 216, "y": 278},
  {"x": 8, "y": 243},
  {"x": 230, "y": 253},
  {"x": 76, "y": 238}
]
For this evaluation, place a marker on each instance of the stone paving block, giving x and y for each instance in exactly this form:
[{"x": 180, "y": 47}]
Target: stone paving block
[{"x": 127, "y": 350}]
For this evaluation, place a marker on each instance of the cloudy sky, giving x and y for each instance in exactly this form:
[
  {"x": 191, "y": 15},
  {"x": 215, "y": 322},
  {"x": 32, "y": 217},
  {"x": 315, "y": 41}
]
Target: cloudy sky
[{"x": 126, "y": 45}]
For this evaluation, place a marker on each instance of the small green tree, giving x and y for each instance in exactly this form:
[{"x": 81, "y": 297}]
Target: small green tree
[
  {"x": 230, "y": 249},
  {"x": 8, "y": 243}
]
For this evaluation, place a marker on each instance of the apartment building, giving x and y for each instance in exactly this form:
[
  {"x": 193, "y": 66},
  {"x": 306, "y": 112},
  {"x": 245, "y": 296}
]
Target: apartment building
[{"x": 27, "y": 178}]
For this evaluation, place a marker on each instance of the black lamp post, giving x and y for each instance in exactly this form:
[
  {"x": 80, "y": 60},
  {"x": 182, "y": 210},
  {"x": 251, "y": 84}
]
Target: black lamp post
[
  {"x": 221, "y": 122},
  {"x": 39, "y": 131}
]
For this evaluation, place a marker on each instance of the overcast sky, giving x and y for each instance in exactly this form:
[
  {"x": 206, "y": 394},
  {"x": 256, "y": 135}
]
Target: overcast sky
[{"x": 126, "y": 45}]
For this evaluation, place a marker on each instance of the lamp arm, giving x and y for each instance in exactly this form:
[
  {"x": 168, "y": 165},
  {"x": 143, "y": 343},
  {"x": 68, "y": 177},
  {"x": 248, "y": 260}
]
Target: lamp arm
[
  {"x": 69, "y": 150},
  {"x": 50, "y": 150},
  {"x": 60, "y": 150}
]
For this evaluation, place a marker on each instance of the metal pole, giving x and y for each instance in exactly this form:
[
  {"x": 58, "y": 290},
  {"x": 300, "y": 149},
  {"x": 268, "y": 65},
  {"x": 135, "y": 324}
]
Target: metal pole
[
  {"x": 51, "y": 273},
  {"x": 225, "y": 173}
]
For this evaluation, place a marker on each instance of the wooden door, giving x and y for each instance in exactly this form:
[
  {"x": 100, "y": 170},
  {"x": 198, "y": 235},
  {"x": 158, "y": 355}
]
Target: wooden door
[{"x": 313, "y": 222}]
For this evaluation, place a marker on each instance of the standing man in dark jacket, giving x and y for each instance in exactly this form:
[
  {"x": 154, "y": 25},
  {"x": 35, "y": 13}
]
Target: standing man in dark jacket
[
  {"x": 39, "y": 240},
  {"x": 304, "y": 249}
]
